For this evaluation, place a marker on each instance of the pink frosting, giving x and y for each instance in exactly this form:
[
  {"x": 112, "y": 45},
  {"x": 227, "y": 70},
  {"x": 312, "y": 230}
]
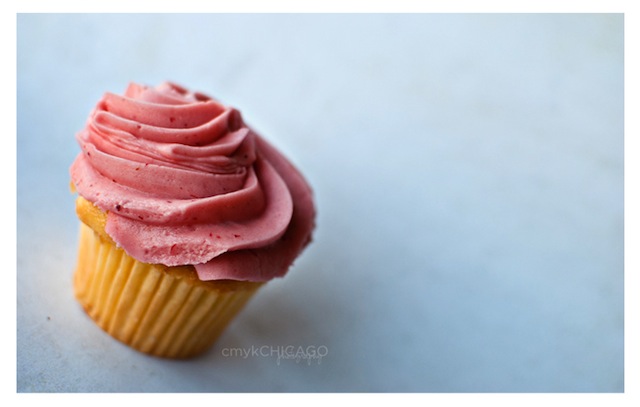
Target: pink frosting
[{"x": 186, "y": 182}]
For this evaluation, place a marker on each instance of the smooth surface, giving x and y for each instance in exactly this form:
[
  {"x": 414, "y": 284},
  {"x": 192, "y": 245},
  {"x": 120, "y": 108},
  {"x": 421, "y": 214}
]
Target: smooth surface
[{"x": 469, "y": 179}]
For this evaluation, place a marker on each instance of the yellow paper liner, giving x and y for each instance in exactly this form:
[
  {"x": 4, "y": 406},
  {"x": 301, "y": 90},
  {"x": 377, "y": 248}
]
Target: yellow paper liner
[{"x": 158, "y": 310}]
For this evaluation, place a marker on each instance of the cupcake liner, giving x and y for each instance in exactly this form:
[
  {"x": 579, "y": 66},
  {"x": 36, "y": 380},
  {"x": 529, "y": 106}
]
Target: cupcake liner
[{"x": 158, "y": 310}]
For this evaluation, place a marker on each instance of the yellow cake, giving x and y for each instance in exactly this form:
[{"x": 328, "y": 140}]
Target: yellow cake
[{"x": 159, "y": 310}]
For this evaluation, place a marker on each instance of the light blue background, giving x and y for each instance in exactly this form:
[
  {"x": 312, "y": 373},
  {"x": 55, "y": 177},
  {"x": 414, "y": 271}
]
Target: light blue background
[{"x": 468, "y": 171}]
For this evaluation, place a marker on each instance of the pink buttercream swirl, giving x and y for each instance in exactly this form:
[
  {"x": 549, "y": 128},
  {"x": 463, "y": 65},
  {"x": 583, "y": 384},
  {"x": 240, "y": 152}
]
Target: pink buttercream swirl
[{"x": 186, "y": 182}]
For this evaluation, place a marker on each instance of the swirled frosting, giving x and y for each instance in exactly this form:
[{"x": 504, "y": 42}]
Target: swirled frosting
[{"x": 185, "y": 182}]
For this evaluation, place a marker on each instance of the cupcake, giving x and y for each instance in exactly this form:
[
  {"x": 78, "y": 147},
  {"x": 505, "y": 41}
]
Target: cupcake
[{"x": 185, "y": 212}]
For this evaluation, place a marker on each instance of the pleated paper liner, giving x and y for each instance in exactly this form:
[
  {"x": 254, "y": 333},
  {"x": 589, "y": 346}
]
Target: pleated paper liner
[{"x": 158, "y": 310}]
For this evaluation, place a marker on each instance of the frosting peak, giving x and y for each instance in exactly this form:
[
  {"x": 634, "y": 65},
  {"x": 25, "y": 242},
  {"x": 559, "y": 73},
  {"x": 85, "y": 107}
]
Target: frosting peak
[{"x": 185, "y": 182}]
